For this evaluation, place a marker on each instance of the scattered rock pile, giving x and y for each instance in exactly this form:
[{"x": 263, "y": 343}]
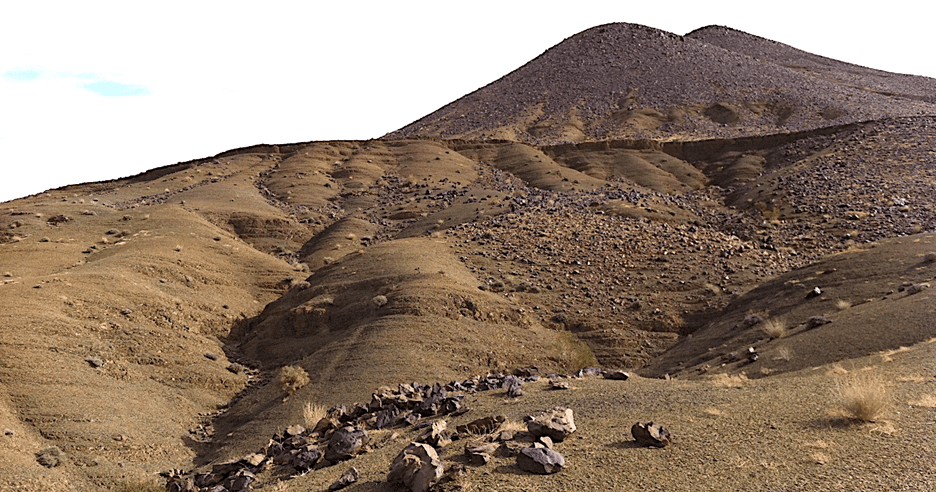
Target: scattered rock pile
[{"x": 342, "y": 434}]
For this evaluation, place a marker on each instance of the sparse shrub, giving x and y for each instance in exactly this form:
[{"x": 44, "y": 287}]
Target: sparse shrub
[
  {"x": 863, "y": 396},
  {"x": 379, "y": 301},
  {"x": 312, "y": 413},
  {"x": 774, "y": 327},
  {"x": 842, "y": 304},
  {"x": 138, "y": 486},
  {"x": 291, "y": 378},
  {"x": 50, "y": 457},
  {"x": 930, "y": 257}
]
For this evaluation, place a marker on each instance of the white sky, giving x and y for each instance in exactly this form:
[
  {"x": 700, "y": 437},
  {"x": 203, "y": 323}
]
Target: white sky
[{"x": 212, "y": 76}]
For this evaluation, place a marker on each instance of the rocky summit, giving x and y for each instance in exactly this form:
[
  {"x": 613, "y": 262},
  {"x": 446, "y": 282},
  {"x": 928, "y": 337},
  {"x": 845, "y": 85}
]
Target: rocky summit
[{"x": 714, "y": 232}]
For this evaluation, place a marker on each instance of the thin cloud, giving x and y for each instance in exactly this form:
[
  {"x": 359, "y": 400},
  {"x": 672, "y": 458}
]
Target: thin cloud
[
  {"x": 22, "y": 75},
  {"x": 108, "y": 88}
]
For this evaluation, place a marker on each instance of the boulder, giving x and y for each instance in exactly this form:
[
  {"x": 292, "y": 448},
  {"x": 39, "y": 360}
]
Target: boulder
[
  {"x": 417, "y": 467},
  {"x": 543, "y": 461},
  {"x": 650, "y": 434},
  {"x": 345, "y": 443},
  {"x": 556, "y": 423},
  {"x": 436, "y": 435}
]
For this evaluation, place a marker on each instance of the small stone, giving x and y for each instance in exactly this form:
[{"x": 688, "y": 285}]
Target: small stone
[
  {"x": 50, "y": 457},
  {"x": 94, "y": 361},
  {"x": 542, "y": 461},
  {"x": 379, "y": 301},
  {"x": 346, "y": 478},
  {"x": 816, "y": 321},
  {"x": 126, "y": 312},
  {"x": 7, "y": 432},
  {"x": 650, "y": 434},
  {"x": 304, "y": 460},
  {"x": 211, "y": 356},
  {"x": 816, "y": 292},
  {"x": 418, "y": 467}
]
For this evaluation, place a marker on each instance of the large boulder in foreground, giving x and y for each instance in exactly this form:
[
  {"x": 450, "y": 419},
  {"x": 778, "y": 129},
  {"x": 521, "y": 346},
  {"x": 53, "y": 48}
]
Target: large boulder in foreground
[{"x": 418, "y": 467}]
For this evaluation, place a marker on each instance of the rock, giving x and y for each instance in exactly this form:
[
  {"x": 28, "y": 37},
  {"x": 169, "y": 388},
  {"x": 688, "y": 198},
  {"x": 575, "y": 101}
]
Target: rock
[
  {"x": 417, "y": 467},
  {"x": 650, "y": 434},
  {"x": 7, "y": 432},
  {"x": 345, "y": 443},
  {"x": 306, "y": 459},
  {"x": 211, "y": 356},
  {"x": 480, "y": 453},
  {"x": 545, "y": 441},
  {"x": 558, "y": 385},
  {"x": 515, "y": 390},
  {"x": 50, "y": 457},
  {"x": 556, "y": 423},
  {"x": 437, "y": 435},
  {"x": 239, "y": 482},
  {"x": 543, "y": 461},
  {"x": 586, "y": 371},
  {"x": 617, "y": 375},
  {"x": 346, "y": 478},
  {"x": 94, "y": 361},
  {"x": 816, "y": 292},
  {"x": 816, "y": 321},
  {"x": 917, "y": 288},
  {"x": 387, "y": 417}
]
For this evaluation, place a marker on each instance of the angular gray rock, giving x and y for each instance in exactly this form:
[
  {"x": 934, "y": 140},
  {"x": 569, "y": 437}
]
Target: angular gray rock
[
  {"x": 556, "y": 423},
  {"x": 345, "y": 443},
  {"x": 650, "y": 434},
  {"x": 543, "y": 461},
  {"x": 346, "y": 478},
  {"x": 418, "y": 467},
  {"x": 480, "y": 453}
]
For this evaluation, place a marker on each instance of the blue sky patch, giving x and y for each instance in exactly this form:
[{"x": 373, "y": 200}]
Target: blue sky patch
[
  {"x": 22, "y": 75},
  {"x": 109, "y": 88}
]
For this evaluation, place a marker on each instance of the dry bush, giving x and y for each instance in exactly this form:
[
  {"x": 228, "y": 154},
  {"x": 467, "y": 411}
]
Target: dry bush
[
  {"x": 292, "y": 378},
  {"x": 863, "y": 396},
  {"x": 774, "y": 327},
  {"x": 312, "y": 413},
  {"x": 784, "y": 353},
  {"x": 842, "y": 304}
]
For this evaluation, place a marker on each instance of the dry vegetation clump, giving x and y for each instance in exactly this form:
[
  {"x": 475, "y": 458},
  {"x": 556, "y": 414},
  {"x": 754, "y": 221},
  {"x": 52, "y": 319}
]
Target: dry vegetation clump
[
  {"x": 312, "y": 413},
  {"x": 930, "y": 257},
  {"x": 842, "y": 304},
  {"x": 774, "y": 327},
  {"x": 292, "y": 378},
  {"x": 863, "y": 396},
  {"x": 784, "y": 353}
]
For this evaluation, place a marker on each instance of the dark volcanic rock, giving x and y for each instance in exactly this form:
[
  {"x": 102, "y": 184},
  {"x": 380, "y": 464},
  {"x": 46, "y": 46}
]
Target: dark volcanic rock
[
  {"x": 345, "y": 443},
  {"x": 418, "y": 467}
]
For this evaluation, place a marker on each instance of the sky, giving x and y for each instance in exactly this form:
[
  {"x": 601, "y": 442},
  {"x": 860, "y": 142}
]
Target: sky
[{"x": 98, "y": 90}]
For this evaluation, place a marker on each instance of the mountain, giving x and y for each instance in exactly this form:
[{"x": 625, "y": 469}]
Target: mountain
[
  {"x": 620, "y": 81},
  {"x": 745, "y": 227}
]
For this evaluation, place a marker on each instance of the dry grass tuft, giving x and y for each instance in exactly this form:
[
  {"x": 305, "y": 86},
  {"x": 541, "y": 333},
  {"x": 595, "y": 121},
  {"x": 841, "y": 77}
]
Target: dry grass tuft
[
  {"x": 863, "y": 396},
  {"x": 774, "y": 327},
  {"x": 842, "y": 304},
  {"x": 784, "y": 353},
  {"x": 312, "y": 413},
  {"x": 512, "y": 425},
  {"x": 292, "y": 378}
]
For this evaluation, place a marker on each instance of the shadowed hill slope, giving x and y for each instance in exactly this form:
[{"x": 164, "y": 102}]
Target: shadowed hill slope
[{"x": 625, "y": 80}]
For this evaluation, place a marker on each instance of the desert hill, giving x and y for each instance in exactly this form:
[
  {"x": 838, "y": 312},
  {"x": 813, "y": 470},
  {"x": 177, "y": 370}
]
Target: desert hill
[
  {"x": 625, "y": 80},
  {"x": 146, "y": 320}
]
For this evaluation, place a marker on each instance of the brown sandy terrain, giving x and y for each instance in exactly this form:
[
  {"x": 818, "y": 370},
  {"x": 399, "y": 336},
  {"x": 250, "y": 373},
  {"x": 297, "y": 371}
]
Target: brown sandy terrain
[{"x": 145, "y": 320}]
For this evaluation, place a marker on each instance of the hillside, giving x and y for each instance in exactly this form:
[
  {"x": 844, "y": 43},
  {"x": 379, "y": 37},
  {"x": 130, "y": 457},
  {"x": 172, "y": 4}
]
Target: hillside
[
  {"x": 147, "y": 320},
  {"x": 630, "y": 81}
]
